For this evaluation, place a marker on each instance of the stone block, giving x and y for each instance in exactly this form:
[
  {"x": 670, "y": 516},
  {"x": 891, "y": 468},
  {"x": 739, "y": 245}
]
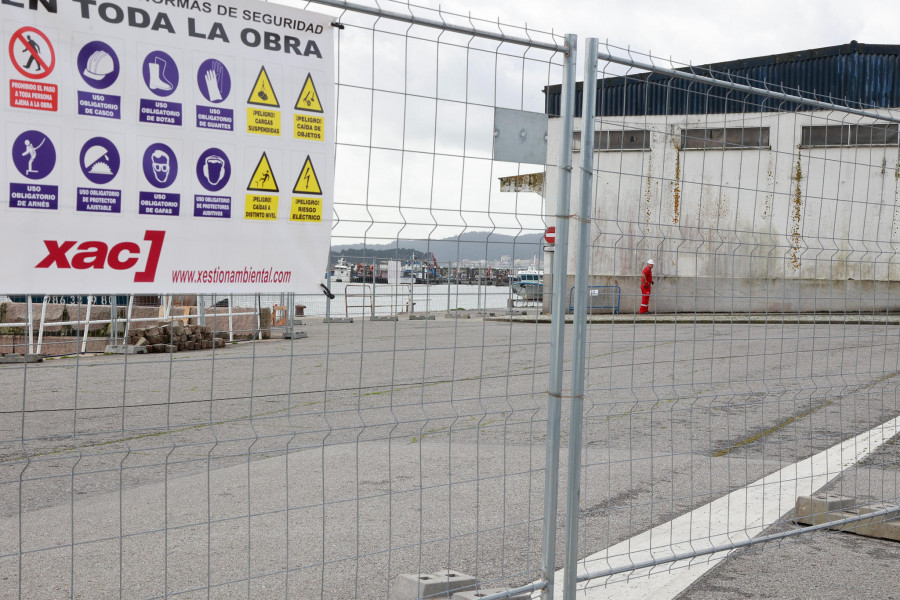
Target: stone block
[
  {"x": 219, "y": 342},
  {"x": 442, "y": 584},
  {"x": 483, "y": 593},
  {"x": 152, "y": 332},
  {"x": 189, "y": 345},
  {"x": 815, "y": 509},
  {"x": 206, "y": 344},
  {"x": 125, "y": 349},
  {"x": 170, "y": 348}
]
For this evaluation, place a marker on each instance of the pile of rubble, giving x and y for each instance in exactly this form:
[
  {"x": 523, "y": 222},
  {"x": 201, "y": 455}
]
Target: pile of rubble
[{"x": 175, "y": 338}]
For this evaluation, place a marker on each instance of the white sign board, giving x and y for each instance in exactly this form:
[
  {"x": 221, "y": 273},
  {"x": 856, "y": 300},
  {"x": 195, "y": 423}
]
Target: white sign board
[{"x": 165, "y": 147}]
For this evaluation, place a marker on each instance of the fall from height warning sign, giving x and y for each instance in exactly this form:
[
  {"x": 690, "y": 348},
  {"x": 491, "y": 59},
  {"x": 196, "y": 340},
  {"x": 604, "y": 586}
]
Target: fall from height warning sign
[
  {"x": 263, "y": 121},
  {"x": 306, "y": 126},
  {"x": 263, "y": 179},
  {"x": 262, "y": 206},
  {"x": 307, "y": 182}
]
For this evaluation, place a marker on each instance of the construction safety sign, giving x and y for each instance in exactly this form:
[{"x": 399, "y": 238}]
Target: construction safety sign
[{"x": 145, "y": 144}]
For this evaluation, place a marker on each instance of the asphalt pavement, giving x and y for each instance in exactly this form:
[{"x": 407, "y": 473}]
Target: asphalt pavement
[{"x": 324, "y": 467}]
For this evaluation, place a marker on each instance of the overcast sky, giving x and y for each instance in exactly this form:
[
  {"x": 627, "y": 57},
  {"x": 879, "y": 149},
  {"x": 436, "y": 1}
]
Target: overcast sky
[
  {"x": 430, "y": 173},
  {"x": 701, "y": 31}
]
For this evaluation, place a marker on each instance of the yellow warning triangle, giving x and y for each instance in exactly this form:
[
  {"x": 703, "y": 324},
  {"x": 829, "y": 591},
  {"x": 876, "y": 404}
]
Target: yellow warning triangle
[
  {"x": 307, "y": 182},
  {"x": 263, "y": 179},
  {"x": 309, "y": 97},
  {"x": 263, "y": 93}
]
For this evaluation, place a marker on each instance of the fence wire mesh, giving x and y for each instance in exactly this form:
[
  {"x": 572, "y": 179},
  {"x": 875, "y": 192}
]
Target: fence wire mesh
[
  {"x": 764, "y": 370},
  {"x": 409, "y": 440},
  {"x": 322, "y": 448}
]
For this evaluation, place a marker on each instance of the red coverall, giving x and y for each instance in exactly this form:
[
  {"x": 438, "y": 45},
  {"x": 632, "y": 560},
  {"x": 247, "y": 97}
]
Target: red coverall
[{"x": 646, "y": 282}]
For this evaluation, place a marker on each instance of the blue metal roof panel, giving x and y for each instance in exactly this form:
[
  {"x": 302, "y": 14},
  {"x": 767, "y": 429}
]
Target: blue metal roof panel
[{"x": 858, "y": 75}]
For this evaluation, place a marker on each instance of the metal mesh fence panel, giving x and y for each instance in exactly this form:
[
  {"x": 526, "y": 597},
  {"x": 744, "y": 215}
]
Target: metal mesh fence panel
[
  {"x": 310, "y": 447},
  {"x": 404, "y": 426},
  {"x": 762, "y": 375}
]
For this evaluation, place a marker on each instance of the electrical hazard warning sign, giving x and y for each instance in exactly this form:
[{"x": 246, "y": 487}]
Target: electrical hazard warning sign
[{"x": 307, "y": 182}]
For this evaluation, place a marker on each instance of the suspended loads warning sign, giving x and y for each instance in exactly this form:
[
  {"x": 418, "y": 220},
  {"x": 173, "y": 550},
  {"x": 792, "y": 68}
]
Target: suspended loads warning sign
[{"x": 134, "y": 133}]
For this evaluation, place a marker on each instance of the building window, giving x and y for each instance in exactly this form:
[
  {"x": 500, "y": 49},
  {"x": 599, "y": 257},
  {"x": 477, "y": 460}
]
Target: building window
[
  {"x": 617, "y": 140},
  {"x": 721, "y": 138},
  {"x": 879, "y": 134}
]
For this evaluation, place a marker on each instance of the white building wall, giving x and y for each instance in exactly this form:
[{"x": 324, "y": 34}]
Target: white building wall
[{"x": 782, "y": 228}]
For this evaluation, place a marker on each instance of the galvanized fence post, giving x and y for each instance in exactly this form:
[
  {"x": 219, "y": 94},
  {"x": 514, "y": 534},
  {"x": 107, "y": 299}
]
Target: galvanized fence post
[
  {"x": 579, "y": 318},
  {"x": 558, "y": 318}
]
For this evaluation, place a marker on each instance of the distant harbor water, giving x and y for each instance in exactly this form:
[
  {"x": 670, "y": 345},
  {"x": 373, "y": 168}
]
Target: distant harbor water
[{"x": 356, "y": 299}]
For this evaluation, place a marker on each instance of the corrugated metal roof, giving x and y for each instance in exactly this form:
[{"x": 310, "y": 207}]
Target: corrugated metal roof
[{"x": 854, "y": 74}]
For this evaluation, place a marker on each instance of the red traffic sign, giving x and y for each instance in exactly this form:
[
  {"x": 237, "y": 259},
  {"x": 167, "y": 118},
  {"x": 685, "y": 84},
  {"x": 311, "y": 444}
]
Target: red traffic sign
[
  {"x": 550, "y": 235},
  {"x": 32, "y": 53}
]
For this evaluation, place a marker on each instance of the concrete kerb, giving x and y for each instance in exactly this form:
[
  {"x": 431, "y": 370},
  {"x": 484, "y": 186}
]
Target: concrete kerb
[
  {"x": 11, "y": 359},
  {"x": 712, "y": 318}
]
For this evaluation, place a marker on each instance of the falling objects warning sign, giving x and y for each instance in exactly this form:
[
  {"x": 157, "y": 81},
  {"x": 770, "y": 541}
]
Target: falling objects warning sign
[
  {"x": 308, "y": 126},
  {"x": 262, "y": 206},
  {"x": 33, "y": 56},
  {"x": 309, "y": 97},
  {"x": 262, "y": 118}
]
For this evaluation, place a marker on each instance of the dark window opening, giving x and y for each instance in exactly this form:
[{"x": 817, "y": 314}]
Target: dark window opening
[{"x": 721, "y": 138}]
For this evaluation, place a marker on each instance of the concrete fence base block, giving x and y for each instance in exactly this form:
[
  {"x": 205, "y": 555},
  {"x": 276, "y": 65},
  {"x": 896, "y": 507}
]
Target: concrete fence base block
[
  {"x": 421, "y": 317},
  {"x": 125, "y": 349},
  {"x": 9, "y": 359},
  {"x": 294, "y": 335},
  {"x": 824, "y": 508},
  {"x": 388, "y": 318},
  {"x": 338, "y": 320},
  {"x": 484, "y": 593},
  {"x": 424, "y": 586},
  {"x": 458, "y": 315}
]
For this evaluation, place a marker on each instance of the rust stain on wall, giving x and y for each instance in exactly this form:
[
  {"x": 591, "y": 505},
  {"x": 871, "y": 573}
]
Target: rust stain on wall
[
  {"x": 796, "y": 213},
  {"x": 648, "y": 196},
  {"x": 676, "y": 189}
]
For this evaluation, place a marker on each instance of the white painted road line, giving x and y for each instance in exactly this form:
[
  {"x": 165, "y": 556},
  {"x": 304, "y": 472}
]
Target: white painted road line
[{"x": 741, "y": 515}]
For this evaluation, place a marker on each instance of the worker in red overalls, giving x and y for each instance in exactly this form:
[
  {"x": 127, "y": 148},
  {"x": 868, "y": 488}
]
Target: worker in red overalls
[{"x": 646, "y": 283}]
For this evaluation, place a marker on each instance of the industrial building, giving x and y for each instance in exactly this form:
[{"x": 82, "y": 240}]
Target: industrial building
[{"x": 746, "y": 203}]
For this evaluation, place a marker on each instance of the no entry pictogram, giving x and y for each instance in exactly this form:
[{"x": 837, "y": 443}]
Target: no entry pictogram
[{"x": 32, "y": 53}]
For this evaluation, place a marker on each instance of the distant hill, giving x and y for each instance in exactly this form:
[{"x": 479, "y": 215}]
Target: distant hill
[{"x": 475, "y": 245}]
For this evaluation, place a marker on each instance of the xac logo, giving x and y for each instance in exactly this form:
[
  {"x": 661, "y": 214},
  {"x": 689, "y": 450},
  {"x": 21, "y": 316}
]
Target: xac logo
[{"x": 99, "y": 255}]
